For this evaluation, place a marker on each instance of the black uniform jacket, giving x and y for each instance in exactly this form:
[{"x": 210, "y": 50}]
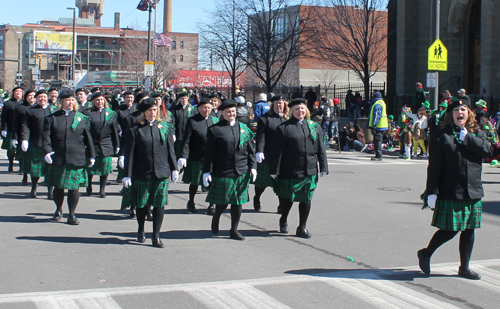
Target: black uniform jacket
[
  {"x": 195, "y": 137},
  {"x": 223, "y": 155},
  {"x": 7, "y": 118},
  {"x": 123, "y": 112},
  {"x": 69, "y": 146},
  {"x": 32, "y": 125},
  {"x": 105, "y": 136},
  {"x": 19, "y": 112},
  {"x": 454, "y": 171},
  {"x": 147, "y": 154},
  {"x": 294, "y": 153},
  {"x": 181, "y": 116},
  {"x": 266, "y": 133}
]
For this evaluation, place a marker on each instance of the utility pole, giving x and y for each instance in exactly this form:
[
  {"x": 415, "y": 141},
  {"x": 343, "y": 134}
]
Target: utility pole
[
  {"x": 436, "y": 90},
  {"x": 73, "y": 51}
]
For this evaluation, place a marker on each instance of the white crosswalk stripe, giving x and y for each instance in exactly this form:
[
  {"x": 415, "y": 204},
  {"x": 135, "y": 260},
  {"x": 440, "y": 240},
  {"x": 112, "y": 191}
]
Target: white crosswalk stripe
[{"x": 366, "y": 285}]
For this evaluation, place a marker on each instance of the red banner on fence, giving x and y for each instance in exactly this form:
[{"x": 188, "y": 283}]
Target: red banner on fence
[{"x": 201, "y": 78}]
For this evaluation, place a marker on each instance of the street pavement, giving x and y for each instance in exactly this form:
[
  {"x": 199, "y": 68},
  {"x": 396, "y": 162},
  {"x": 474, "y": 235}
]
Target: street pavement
[{"x": 366, "y": 224}]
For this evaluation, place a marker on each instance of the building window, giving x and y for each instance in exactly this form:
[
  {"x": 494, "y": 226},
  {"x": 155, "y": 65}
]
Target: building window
[
  {"x": 27, "y": 39},
  {"x": 85, "y": 42},
  {"x": 27, "y": 54},
  {"x": 181, "y": 58},
  {"x": 102, "y": 42},
  {"x": 84, "y": 55},
  {"x": 91, "y": 41},
  {"x": 174, "y": 44},
  {"x": 182, "y": 44},
  {"x": 1, "y": 38},
  {"x": 102, "y": 56},
  {"x": 173, "y": 60},
  {"x": 1, "y": 53},
  {"x": 96, "y": 41},
  {"x": 114, "y": 41}
]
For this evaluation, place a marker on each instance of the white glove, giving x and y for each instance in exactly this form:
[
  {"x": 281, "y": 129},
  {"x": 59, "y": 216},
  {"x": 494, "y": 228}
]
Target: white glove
[
  {"x": 120, "y": 134},
  {"x": 273, "y": 176},
  {"x": 121, "y": 161},
  {"x": 14, "y": 143},
  {"x": 117, "y": 150},
  {"x": 182, "y": 162},
  {"x": 4, "y": 133},
  {"x": 206, "y": 179},
  {"x": 92, "y": 162},
  {"x": 260, "y": 157},
  {"x": 254, "y": 174},
  {"x": 173, "y": 137},
  {"x": 24, "y": 145},
  {"x": 48, "y": 158},
  {"x": 463, "y": 133},
  {"x": 431, "y": 201},
  {"x": 322, "y": 174},
  {"x": 175, "y": 175},
  {"x": 127, "y": 182}
]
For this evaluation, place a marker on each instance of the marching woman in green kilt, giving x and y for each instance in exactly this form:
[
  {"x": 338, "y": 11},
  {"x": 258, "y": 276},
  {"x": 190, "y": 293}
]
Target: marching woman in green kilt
[
  {"x": 266, "y": 134},
  {"x": 181, "y": 112},
  {"x": 229, "y": 164},
  {"x": 32, "y": 139},
  {"x": 105, "y": 134},
  {"x": 21, "y": 155},
  {"x": 193, "y": 152},
  {"x": 7, "y": 119},
  {"x": 298, "y": 148},
  {"x": 149, "y": 162},
  {"x": 454, "y": 189},
  {"x": 66, "y": 141}
]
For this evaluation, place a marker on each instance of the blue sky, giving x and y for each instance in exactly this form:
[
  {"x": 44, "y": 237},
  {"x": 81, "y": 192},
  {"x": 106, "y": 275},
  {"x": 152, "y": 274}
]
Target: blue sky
[{"x": 186, "y": 13}]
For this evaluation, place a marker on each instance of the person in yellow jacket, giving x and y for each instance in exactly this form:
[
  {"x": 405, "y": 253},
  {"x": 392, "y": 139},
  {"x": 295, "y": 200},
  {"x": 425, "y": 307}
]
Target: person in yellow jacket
[{"x": 378, "y": 123}]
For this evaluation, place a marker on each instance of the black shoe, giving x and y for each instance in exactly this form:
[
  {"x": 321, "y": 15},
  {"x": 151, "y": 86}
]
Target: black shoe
[
  {"x": 235, "y": 235},
  {"x": 132, "y": 213},
  {"x": 102, "y": 194},
  {"x": 157, "y": 243},
  {"x": 215, "y": 225},
  {"x": 191, "y": 208},
  {"x": 73, "y": 220},
  {"x": 283, "y": 227},
  {"x": 140, "y": 237},
  {"x": 278, "y": 211},
  {"x": 33, "y": 193},
  {"x": 424, "y": 262},
  {"x": 89, "y": 190},
  {"x": 57, "y": 216},
  {"x": 468, "y": 273},
  {"x": 149, "y": 216},
  {"x": 377, "y": 159},
  {"x": 11, "y": 168},
  {"x": 302, "y": 232},
  {"x": 256, "y": 205},
  {"x": 210, "y": 210}
]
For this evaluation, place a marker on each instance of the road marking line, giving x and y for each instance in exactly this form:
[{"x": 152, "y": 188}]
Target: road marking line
[{"x": 82, "y": 301}]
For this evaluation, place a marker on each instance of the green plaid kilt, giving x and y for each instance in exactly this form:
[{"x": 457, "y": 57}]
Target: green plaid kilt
[
  {"x": 227, "y": 190},
  {"x": 103, "y": 166},
  {"x": 148, "y": 192},
  {"x": 193, "y": 173},
  {"x": 296, "y": 189},
  {"x": 120, "y": 173},
  {"x": 24, "y": 160},
  {"x": 178, "y": 148},
  {"x": 457, "y": 215},
  {"x": 66, "y": 176},
  {"x": 38, "y": 164},
  {"x": 263, "y": 179},
  {"x": 7, "y": 142}
]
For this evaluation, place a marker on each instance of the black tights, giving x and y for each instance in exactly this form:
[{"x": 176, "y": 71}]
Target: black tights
[
  {"x": 102, "y": 183},
  {"x": 304, "y": 210},
  {"x": 465, "y": 247},
  {"x": 158, "y": 214},
  {"x": 192, "y": 192},
  {"x": 73, "y": 198},
  {"x": 258, "y": 193},
  {"x": 235, "y": 215},
  {"x": 10, "y": 156}
]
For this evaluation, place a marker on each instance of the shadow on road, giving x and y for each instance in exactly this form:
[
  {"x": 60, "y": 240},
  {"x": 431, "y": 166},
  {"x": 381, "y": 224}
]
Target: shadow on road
[
  {"x": 370, "y": 274},
  {"x": 80, "y": 240}
]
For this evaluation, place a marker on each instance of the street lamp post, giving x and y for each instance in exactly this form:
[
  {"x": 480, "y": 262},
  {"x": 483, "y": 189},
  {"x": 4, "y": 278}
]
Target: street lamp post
[{"x": 73, "y": 50}]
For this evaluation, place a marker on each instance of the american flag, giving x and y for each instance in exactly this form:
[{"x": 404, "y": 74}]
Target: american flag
[{"x": 162, "y": 40}]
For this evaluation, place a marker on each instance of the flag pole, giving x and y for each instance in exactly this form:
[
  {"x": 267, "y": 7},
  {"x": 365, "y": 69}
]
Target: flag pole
[{"x": 154, "y": 46}]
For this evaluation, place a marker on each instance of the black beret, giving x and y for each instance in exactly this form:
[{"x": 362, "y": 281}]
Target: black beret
[
  {"x": 53, "y": 89},
  {"x": 204, "y": 101},
  {"x": 80, "y": 90},
  {"x": 226, "y": 104},
  {"x": 17, "y": 87},
  {"x": 138, "y": 89},
  {"x": 147, "y": 104},
  {"x": 156, "y": 95},
  {"x": 66, "y": 94},
  {"x": 126, "y": 93},
  {"x": 141, "y": 95},
  {"x": 454, "y": 105},
  {"x": 182, "y": 94},
  {"x": 41, "y": 91},
  {"x": 297, "y": 102},
  {"x": 213, "y": 95},
  {"x": 278, "y": 97},
  {"x": 94, "y": 89},
  {"x": 28, "y": 92},
  {"x": 96, "y": 95}
]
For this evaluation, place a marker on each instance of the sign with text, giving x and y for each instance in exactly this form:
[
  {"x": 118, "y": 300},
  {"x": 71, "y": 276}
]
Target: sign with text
[
  {"x": 431, "y": 80},
  {"x": 53, "y": 42},
  {"x": 437, "y": 59},
  {"x": 149, "y": 68}
]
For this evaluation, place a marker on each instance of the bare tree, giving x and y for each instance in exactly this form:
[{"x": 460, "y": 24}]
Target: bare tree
[
  {"x": 223, "y": 39},
  {"x": 275, "y": 34},
  {"x": 327, "y": 78},
  {"x": 352, "y": 34}
]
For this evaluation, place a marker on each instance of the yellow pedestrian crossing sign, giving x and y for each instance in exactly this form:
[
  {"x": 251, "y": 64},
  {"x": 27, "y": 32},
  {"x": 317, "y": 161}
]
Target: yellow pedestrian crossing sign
[{"x": 437, "y": 57}]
